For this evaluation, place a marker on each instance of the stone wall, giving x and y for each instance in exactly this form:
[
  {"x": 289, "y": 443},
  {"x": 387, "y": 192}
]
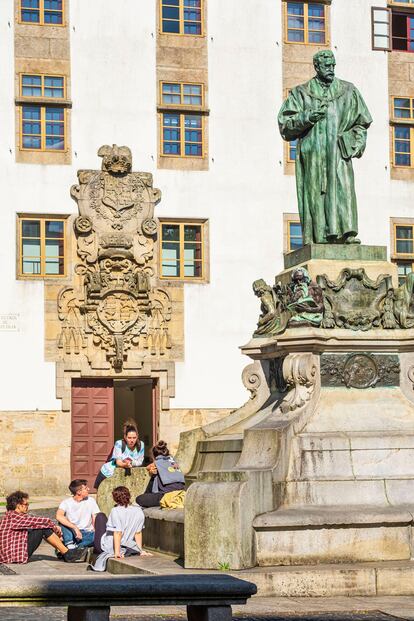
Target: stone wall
[
  {"x": 35, "y": 452},
  {"x": 175, "y": 421}
]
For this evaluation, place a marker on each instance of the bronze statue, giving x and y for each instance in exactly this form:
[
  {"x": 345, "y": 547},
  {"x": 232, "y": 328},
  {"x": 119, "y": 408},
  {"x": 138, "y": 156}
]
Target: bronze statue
[{"x": 329, "y": 119}]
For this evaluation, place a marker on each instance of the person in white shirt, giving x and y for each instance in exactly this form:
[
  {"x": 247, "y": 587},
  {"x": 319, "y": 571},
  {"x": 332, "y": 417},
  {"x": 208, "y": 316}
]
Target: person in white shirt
[{"x": 76, "y": 516}]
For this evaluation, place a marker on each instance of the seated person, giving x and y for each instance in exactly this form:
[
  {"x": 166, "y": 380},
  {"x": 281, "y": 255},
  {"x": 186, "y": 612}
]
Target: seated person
[
  {"x": 76, "y": 516},
  {"x": 21, "y": 533},
  {"x": 127, "y": 453},
  {"x": 121, "y": 534},
  {"x": 166, "y": 476}
]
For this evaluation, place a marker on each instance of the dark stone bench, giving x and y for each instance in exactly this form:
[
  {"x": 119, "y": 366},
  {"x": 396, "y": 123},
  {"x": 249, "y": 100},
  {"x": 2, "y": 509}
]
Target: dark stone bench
[{"x": 207, "y": 597}]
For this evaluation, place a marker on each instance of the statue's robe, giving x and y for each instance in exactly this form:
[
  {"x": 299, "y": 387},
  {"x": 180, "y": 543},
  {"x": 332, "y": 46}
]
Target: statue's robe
[{"x": 324, "y": 175}]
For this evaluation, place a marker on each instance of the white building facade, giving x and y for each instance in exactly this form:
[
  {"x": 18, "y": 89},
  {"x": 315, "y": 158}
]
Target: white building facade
[{"x": 147, "y": 73}]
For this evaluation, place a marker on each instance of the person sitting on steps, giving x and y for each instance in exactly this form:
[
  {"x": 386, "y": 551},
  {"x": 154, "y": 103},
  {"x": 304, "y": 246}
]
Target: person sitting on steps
[
  {"x": 121, "y": 534},
  {"x": 127, "y": 453},
  {"x": 21, "y": 533},
  {"x": 76, "y": 516},
  {"x": 166, "y": 476}
]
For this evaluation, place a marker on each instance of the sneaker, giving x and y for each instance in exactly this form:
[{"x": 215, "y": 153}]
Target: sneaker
[{"x": 78, "y": 555}]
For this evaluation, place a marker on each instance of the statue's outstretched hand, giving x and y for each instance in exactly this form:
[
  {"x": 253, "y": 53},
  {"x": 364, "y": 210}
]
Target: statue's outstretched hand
[{"x": 318, "y": 114}]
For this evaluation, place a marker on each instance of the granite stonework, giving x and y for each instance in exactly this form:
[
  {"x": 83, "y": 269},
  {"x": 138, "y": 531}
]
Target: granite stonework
[{"x": 317, "y": 466}]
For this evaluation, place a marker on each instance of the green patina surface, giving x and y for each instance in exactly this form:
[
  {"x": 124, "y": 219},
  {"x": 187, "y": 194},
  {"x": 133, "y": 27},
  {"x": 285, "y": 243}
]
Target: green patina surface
[
  {"x": 329, "y": 119},
  {"x": 339, "y": 252}
]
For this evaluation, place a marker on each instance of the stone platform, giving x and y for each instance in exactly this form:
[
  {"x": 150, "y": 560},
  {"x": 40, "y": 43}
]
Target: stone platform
[{"x": 317, "y": 467}]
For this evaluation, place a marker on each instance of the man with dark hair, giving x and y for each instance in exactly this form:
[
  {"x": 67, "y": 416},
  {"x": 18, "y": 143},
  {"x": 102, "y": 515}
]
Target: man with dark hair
[
  {"x": 22, "y": 533},
  {"x": 76, "y": 516}
]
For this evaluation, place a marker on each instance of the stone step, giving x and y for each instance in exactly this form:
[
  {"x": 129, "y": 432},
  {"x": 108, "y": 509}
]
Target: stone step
[
  {"x": 343, "y": 491},
  {"x": 333, "y": 534},
  {"x": 355, "y": 455},
  {"x": 164, "y": 530},
  {"x": 392, "y": 578}
]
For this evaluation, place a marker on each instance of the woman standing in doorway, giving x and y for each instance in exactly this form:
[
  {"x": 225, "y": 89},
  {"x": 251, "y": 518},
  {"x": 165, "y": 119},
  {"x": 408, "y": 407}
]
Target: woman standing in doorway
[{"x": 127, "y": 453}]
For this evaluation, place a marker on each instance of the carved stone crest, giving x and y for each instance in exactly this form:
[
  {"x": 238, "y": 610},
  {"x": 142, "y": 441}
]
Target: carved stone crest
[
  {"x": 360, "y": 370},
  {"x": 117, "y": 305}
]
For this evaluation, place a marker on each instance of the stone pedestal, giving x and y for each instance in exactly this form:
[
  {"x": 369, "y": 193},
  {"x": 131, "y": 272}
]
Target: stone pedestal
[{"x": 324, "y": 471}]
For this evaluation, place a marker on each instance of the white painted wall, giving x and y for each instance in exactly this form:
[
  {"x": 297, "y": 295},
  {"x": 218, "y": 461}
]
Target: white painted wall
[{"x": 244, "y": 194}]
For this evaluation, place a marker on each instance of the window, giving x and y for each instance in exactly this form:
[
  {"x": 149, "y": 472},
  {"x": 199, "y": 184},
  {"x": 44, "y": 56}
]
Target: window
[
  {"x": 393, "y": 29},
  {"x": 305, "y": 22},
  {"x": 381, "y": 26},
  {"x": 403, "y": 111},
  {"x": 41, "y": 246},
  {"x": 42, "y": 127},
  {"x": 182, "y": 250},
  {"x": 403, "y": 247},
  {"x": 403, "y": 32},
  {"x": 52, "y": 86},
  {"x": 181, "y": 94},
  {"x": 181, "y": 17},
  {"x": 42, "y": 12},
  {"x": 295, "y": 240},
  {"x": 403, "y": 239},
  {"x": 182, "y": 132}
]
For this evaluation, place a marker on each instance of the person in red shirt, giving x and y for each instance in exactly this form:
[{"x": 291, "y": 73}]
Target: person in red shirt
[{"x": 22, "y": 533}]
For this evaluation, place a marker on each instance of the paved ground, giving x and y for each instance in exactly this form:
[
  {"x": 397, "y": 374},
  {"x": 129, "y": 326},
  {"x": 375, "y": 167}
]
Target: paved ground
[{"x": 258, "y": 608}]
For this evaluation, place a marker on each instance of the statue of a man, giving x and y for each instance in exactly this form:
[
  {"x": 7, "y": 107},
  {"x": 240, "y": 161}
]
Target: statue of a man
[{"x": 329, "y": 119}]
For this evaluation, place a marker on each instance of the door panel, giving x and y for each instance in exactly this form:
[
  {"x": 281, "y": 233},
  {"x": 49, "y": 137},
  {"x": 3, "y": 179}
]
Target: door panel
[{"x": 92, "y": 426}]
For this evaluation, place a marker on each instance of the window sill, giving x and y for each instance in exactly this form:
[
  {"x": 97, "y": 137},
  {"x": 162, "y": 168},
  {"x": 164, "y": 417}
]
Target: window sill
[
  {"x": 184, "y": 109},
  {"x": 63, "y": 103},
  {"x": 405, "y": 8}
]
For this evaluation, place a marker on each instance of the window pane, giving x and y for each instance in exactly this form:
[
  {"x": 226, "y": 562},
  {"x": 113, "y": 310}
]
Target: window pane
[
  {"x": 402, "y": 147},
  {"x": 296, "y": 8},
  {"x": 54, "y": 266},
  {"x": 169, "y": 26},
  {"x": 30, "y": 16},
  {"x": 295, "y": 229},
  {"x": 30, "y": 142},
  {"x": 54, "y": 228},
  {"x": 53, "y": 18},
  {"x": 170, "y": 269},
  {"x": 192, "y": 28},
  {"x": 404, "y": 232},
  {"x": 316, "y": 24},
  {"x": 193, "y": 270},
  {"x": 316, "y": 10},
  {"x": 31, "y": 113},
  {"x": 31, "y": 248},
  {"x": 31, "y": 228},
  {"x": 192, "y": 233},
  {"x": 31, "y": 127},
  {"x": 402, "y": 160},
  {"x": 405, "y": 246},
  {"x": 192, "y": 3},
  {"x": 403, "y": 270},
  {"x": 296, "y": 36},
  {"x": 296, "y": 22},
  {"x": 402, "y": 133},
  {"x": 192, "y": 252},
  {"x": 53, "y": 5},
  {"x": 31, "y": 266},
  {"x": 316, "y": 37},
  {"x": 30, "y": 4},
  {"x": 171, "y": 232},
  {"x": 54, "y": 248},
  {"x": 170, "y": 12}
]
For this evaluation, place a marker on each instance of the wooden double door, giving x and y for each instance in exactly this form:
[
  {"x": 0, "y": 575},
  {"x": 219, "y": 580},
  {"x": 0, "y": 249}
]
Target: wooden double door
[{"x": 93, "y": 425}]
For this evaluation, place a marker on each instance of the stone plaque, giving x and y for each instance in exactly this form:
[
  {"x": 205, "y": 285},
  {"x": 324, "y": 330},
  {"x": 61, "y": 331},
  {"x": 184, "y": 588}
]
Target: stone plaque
[
  {"x": 9, "y": 322},
  {"x": 360, "y": 370}
]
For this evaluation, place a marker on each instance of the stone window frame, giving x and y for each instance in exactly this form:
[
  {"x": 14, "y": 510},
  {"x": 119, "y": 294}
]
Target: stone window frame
[
  {"x": 288, "y": 218},
  {"x": 41, "y": 21},
  {"x": 205, "y": 250},
  {"x": 19, "y": 246},
  {"x": 306, "y": 41},
  {"x": 181, "y": 20}
]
